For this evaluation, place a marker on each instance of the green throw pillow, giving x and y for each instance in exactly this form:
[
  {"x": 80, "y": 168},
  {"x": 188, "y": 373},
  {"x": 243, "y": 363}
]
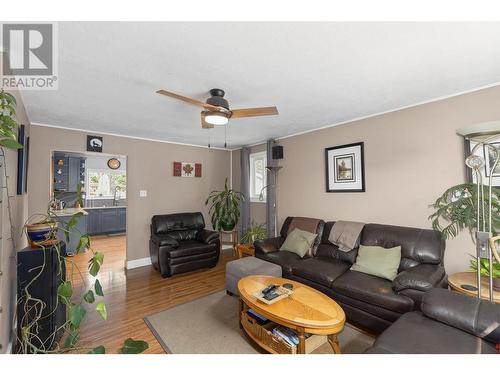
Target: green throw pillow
[
  {"x": 377, "y": 261},
  {"x": 299, "y": 242}
]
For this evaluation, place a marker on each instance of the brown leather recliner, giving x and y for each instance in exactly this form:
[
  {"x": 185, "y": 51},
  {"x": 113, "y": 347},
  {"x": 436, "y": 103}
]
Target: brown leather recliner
[
  {"x": 369, "y": 301},
  {"x": 180, "y": 243}
]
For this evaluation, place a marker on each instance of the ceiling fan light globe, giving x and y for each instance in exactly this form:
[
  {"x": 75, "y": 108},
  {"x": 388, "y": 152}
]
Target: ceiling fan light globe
[{"x": 215, "y": 119}]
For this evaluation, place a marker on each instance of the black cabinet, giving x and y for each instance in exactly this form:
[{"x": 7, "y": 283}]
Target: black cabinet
[
  {"x": 94, "y": 222},
  {"x": 106, "y": 220},
  {"x": 42, "y": 285},
  {"x": 122, "y": 219},
  {"x": 109, "y": 220}
]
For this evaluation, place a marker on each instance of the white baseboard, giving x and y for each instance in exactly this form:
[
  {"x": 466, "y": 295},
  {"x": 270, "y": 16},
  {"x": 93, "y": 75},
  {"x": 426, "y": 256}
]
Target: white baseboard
[{"x": 136, "y": 263}]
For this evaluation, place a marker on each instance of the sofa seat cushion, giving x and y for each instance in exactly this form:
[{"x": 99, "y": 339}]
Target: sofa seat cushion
[
  {"x": 372, "y": 290},
  {"x": 191, "y": 247},
  {"x": 414, "y": 333},
  {"x": 285, "y": 259},
  {"x": 321, "y": 270}
]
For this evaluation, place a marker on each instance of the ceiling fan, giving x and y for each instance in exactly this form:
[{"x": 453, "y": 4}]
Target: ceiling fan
[{"x": 216, "y": 109}]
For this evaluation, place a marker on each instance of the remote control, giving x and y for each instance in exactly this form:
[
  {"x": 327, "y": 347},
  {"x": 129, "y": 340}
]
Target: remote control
[
  {"x": 271, "y": 295},
  {"x": 269, "y": 288}
]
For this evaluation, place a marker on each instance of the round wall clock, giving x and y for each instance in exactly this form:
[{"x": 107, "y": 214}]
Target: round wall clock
[{"x": 114, "y": 163}]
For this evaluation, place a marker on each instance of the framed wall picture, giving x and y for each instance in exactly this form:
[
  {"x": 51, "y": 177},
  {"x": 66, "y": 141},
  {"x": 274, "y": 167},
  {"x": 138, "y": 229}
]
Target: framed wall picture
[
  {"x": 186, "y": 169},
  {"x": 22, "y": 161},
  {"x": 344, "y": 168},
  {"x": 94, "y": 143}
]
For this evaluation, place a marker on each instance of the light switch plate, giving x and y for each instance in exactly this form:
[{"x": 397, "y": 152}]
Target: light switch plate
[{"x": 143, "y": 193}]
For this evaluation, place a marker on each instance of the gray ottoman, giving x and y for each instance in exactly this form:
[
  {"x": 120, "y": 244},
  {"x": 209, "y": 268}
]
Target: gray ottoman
[{"x": 237, "y": 269}]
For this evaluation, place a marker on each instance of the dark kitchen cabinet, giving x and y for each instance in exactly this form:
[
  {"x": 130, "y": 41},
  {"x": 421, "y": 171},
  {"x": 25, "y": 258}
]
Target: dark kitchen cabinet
[
  {"x": 94, "y": 221},
  {"x": 106, "y": 220},
  {"x": 109, "y": 220},
  {"x": 74, "y": 173},
  {"x": 122, "y": 219},
  {"x": 68, "y": 171}
]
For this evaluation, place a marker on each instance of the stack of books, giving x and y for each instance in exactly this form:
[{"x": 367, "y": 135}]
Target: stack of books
[
  {"x": 258, "y": 318},
  {"x": 287, "y": 334}
]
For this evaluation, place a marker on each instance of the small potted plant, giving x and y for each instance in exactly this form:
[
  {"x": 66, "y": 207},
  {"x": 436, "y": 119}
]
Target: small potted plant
[
  {"x": 41, "y": 230},
  {"x": 79, "y": 195},
  {"x": 224, "y": 208},
  {"x": 256, "y": 232},
  {"x": 485, "y": 270}
]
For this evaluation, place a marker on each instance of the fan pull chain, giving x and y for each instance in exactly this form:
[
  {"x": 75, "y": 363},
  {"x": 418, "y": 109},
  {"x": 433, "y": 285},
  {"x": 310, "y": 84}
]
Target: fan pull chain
[
  {"x": 208, "y": 133},
  {"x": 225, "y": 136}
]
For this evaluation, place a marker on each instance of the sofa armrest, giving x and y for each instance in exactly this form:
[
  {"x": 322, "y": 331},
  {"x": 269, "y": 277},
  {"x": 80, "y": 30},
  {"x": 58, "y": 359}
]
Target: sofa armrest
[
  {"x": 164, "y": 240},
  {"x": 478, "y": 317},
  {"x": 207, "y": 236},
  {"x": 423, "y": 277},
  {"x": 268, "y": 245}
]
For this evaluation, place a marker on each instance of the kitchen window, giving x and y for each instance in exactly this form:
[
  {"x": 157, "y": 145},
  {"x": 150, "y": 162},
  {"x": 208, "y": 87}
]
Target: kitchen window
[
  {"x": 258, "y": 176},
  {"x": 106, "y": 184}
]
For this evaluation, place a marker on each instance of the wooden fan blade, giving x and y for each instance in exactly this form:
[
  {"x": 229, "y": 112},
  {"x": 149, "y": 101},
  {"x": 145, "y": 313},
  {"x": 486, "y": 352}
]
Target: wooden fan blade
[
  {"x": 186, "y": 99},
  {"x": 252, "y": 112},
  {"x": 204, "y": 124}
]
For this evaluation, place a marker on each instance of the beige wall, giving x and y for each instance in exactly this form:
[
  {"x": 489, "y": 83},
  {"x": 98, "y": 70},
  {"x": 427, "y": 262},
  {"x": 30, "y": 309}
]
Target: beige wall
[
  {"x": 8, "y": 246},
  {"x": 411, "y": 157},
  {"x": 149, "y": 167}
]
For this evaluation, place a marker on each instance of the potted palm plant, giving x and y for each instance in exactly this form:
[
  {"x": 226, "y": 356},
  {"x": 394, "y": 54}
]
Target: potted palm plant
[
  {"x": 224, "y": 208},
  {"x": 455, "y": 210}
]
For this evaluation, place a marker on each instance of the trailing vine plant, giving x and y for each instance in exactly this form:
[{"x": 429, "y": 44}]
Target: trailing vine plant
[{"x": 77, "y": 304}]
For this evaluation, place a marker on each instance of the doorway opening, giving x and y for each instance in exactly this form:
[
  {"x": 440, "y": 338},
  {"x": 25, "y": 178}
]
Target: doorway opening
[{"x": 95, "y": 184}]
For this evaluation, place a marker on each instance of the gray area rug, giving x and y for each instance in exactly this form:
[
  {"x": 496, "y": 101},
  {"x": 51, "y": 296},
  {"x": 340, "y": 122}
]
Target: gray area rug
[{"x": 209, "y": 325}]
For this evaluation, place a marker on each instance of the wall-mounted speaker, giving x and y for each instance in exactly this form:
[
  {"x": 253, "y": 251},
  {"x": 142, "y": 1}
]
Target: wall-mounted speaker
[{"x": 277, "y": 152}]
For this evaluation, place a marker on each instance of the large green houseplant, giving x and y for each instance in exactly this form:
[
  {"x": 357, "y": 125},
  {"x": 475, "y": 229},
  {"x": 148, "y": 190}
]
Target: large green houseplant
[
  {"x": 224, "y": 208},
  {"x": 77, "y": 304},
  {"x": 456, "y": 210}
]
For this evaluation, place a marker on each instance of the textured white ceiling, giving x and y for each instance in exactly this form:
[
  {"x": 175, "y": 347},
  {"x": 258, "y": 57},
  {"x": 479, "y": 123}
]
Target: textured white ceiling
[{"x": 317, "y": 74}]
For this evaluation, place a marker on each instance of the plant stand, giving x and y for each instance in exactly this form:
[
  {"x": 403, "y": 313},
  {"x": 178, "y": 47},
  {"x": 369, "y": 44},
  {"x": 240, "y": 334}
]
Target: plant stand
[
  {"x": 233, "y": 239},
  {"x": 245, "y": 249}
]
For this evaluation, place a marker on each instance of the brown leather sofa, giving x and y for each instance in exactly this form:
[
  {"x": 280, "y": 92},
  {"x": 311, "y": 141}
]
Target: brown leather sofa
[
  {"x": 369, "y": 301},
  {"x": 180, "y": 243},
  {"x": 449, "y": 323}
]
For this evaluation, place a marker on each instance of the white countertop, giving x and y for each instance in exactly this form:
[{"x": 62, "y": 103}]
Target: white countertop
[
  {"x": 69, "y": 211},
  {"x": 103, "y": 207}
]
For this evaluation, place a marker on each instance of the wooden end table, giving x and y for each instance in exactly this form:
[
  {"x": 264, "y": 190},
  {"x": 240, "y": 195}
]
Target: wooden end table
[
  {"x": 233, "y": 241},
  {"x": 458, "y": 280},
  {"x": 245, "y": 249}
]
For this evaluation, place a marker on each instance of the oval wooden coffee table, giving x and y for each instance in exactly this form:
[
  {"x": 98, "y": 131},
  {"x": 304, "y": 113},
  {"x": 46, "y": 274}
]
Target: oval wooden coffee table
[{"x": 305, "y": 311}]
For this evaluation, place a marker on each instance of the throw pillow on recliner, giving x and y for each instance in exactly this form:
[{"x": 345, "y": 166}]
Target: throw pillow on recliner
[
  {"x": 298, "y": 242},
  {"x": 378, "y": 261}
]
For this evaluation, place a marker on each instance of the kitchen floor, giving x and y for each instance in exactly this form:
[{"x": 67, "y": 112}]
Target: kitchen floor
[{"x": 114, "y": 249}]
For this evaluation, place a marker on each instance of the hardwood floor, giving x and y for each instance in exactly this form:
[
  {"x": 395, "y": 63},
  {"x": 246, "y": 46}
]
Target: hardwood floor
[{"x": 131, "y": 295}]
